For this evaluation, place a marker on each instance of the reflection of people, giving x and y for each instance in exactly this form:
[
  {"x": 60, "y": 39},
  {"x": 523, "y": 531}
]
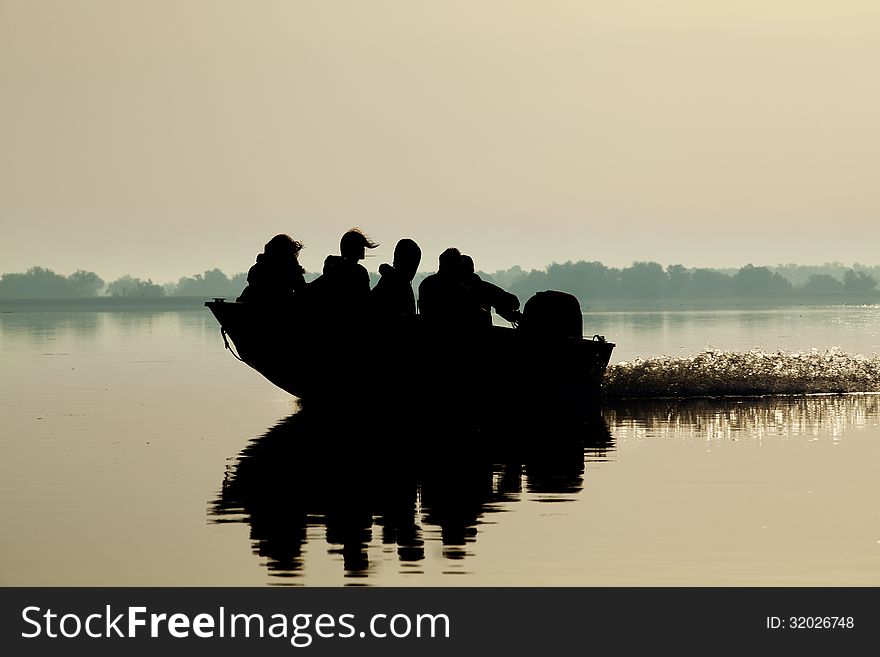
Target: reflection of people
[
  {"x": 393, "y": 294},
  {"x": 344, "y": 285},
  {"x": 443, "y": 297},
  {"x": 277, "y": 274},
  {"x": 292, "y": 479},
  {"x": 488, "y": 295}
]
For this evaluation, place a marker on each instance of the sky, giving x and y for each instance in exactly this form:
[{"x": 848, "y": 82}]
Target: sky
[{"x": 164, "y": 138}]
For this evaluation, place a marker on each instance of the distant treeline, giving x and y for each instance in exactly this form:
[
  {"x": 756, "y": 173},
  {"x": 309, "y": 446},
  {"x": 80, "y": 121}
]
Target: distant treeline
[
  {"x": 41, "y": 283},
  {"x": 650, "y": 280},
  {"x": 586, "y": 280}
]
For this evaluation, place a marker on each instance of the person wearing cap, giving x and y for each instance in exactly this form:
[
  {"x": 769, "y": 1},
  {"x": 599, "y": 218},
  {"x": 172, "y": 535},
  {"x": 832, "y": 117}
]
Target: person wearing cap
[
  {"x": 488, "y": 295},
  {"x": 443, "y": 298}
]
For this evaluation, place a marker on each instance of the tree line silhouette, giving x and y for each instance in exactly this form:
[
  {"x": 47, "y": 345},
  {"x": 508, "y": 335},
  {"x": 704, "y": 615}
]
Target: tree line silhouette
[
  {"x": 42, "y": 283},
  {"x": 586, "y": 280},
  {"x": 650, "y": 280}
]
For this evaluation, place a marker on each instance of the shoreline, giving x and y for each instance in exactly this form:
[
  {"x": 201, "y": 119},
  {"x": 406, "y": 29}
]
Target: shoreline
[{"x": 129, "y": 304}]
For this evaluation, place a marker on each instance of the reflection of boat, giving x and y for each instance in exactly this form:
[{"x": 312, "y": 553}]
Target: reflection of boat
[
  {"x": 316, "y": 473},
  {"x": 310, "y": 361}
]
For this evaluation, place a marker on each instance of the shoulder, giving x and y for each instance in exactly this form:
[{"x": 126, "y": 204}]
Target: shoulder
[{"x": 428, "y": 281}]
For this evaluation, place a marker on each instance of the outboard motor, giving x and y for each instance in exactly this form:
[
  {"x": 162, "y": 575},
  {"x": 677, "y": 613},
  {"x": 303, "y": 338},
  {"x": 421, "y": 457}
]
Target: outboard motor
[{"x": 553, "y": 313}]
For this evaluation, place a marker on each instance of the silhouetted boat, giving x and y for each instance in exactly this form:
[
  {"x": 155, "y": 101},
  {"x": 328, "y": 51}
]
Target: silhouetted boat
[{"x": 496, "y": 367}]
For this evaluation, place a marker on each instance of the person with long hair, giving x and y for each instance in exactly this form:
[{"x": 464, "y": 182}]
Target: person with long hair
[
  {"x": 277, "y": 275},
  {"x": 344, "y": 286}
]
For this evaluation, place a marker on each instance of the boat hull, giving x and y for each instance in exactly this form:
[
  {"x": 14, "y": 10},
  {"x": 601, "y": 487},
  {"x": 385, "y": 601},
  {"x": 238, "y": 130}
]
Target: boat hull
[{"x": 411, "y": 360}]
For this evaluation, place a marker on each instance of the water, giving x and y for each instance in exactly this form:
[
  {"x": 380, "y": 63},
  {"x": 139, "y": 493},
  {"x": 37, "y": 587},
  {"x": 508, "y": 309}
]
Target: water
[{"x": 134, "y": 451}]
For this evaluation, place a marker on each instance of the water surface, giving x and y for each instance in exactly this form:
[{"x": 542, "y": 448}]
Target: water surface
[{"x": 134, "y": 451}]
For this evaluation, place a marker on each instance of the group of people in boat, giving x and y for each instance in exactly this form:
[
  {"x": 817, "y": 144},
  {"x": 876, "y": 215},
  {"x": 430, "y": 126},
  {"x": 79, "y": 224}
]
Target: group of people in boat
[{"x": 456, "y": 295}]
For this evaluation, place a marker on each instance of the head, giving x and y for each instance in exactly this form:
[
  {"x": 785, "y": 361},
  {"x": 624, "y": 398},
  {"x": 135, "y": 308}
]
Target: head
[
  {"x": 353, "y": 245},
  {"x": 282, "y": 246},
  {"x": 450, "y": 262},
  {"x": 467, "y": 265},
  {"x": 407, "y": 256}
]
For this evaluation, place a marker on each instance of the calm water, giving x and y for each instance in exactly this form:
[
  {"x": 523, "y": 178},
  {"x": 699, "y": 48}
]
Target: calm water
[{"x": 134, "y": 451}]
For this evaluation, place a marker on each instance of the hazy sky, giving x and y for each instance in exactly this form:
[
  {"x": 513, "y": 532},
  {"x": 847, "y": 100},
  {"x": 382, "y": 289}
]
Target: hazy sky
[{"x": 164, "y": 137}]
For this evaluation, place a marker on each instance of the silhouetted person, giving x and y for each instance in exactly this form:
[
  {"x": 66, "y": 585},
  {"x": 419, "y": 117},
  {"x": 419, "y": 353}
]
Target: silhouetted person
[
  {"x": 343, "y": 289},
  {"x": 443, "y": 297},
  {"x": 277, "y": 274},
  {"x": 488, "y": 295},
  {"x": 393, "y": 295}
]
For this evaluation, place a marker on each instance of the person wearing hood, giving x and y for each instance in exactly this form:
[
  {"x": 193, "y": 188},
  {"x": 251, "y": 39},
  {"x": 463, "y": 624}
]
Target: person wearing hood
[
  {"x": 277, "y": 275},
  {"x": 393, "y": 295}
]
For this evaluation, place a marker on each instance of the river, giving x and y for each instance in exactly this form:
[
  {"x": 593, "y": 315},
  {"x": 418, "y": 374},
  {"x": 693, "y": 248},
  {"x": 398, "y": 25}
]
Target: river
[{"x": 136, "y": 451}]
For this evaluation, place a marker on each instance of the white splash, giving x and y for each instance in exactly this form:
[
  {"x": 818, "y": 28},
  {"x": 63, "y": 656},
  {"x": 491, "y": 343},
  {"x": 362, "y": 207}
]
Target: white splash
[{"x": 724, "y": 373}]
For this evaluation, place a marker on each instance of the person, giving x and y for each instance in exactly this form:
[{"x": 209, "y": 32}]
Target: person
[
  {"x": 277, "y": 275},
  {"x": 443, "y": 298},
  {"x": 488, "y": 295},
  {"x": 344, "y": 285},
  {"x": 393, "y": 294}
]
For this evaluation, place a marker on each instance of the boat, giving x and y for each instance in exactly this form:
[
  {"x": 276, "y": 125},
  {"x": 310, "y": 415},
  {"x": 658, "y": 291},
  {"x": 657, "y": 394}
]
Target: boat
[{"x": 495, "y": 368}]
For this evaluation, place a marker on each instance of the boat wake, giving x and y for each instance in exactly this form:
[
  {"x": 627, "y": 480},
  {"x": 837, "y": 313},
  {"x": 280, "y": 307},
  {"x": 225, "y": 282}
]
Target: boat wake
[
  {"x": 725, "y": 373},
  {"x": 818, "y": 417}
]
